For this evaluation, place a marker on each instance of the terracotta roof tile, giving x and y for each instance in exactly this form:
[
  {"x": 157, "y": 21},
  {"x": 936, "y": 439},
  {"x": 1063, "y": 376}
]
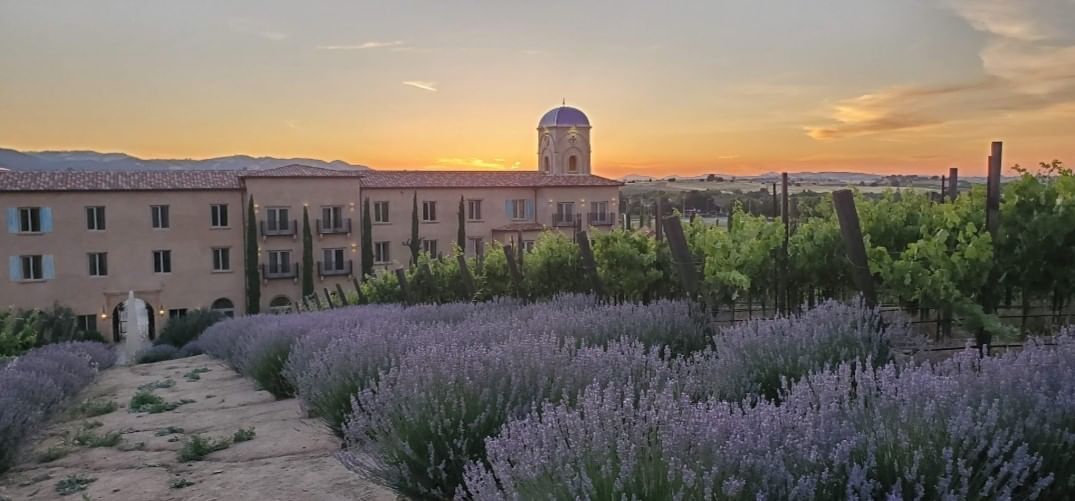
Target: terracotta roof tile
[
  {"x": 476, "y": 179},
  {"x": 163, "y": 180},
  {"x": 299, "y": 170}
]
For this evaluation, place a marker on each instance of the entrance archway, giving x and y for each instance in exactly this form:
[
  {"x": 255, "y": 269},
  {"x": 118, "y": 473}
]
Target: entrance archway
[{"x": 119, "y": 323}]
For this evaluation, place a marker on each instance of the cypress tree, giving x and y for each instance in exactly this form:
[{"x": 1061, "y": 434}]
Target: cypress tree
[
  {"x": 253, "y": 278},
  {"x": 307, "y": 254},
  {"x": 461, "y": 237},
  {"x": 367, "y": 239},
  {"x": 415, "y": 242}
]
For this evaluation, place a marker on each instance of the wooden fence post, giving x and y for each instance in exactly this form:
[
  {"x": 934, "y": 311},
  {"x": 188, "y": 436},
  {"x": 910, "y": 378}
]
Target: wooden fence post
[
  {"x": 328, "y": 297},
  {"x": 465, "y": 277},
  {"x": 589, "y": 264},
  {"x": 358, "y": 292},
  {"x": 992, "y": 224},
  {"x": 677, "y": 243},
  {"x": 513, "y": 269},
  {"x": 844, "y": 203},
  {"x": 657, "y": 223},
  {"x": 401, "y": 277},
  {"x": 343, "y": 296},
  {"x": 953, "y": 183},
  {"x": 944, "y": 188},
  {"x": 785, "y": 215},
  {"x": 317, "y": 301}
]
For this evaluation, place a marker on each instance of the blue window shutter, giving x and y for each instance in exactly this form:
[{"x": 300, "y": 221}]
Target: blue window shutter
[
  {"x": 529, "y": 209},
  {"x": 48, "y": 267},
  {"x": 14, "y": 266},
  {"x": 46, "y": 219},
  {"x": 12, "y": 220}
]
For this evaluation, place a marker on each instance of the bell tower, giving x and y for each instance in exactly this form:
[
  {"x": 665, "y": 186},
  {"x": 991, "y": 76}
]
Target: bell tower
[{"x": 564, "y": 142}]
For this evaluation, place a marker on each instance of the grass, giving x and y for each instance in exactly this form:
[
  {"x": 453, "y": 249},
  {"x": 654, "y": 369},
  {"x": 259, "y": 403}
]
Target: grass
[
  {"x": 155, "y": 385},
  {"x": 179, "y": 483},
  {"x": 197, "y": 447},
  {"x": 147, "y": 401},
  {"x": 94, "y": 408},
  {"x": 195, "y": 374},
  {"x": 170, "y": 430},
  {"x": 88, "y": 438},
  {"x": 243, "y": 435},
  {"x": 73, "y": 484},
  {"x": 53, "y": 453}
]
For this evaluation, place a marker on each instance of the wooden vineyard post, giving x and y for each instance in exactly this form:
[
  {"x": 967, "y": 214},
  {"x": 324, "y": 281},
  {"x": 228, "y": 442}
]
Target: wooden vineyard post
[
  {"x": 342, "y": 295},
  {"x": 305, "y": 304},
  {"x": 782, "y": 279},
  {"x": 953, "y": 183},
  {"x": 513, "y": 269},
  {"x": 731, "y": 219},
  {"x": 944, "y": 189},
  {"x": 317, "y": 301},
  {"x": 776, "y": 205},
  {"x": 328, "y": 298},
  {"x": 657, "y": 223},
  {"x": 992, "y": 224},
  {"x": 465, "y": 278},
  {"x": 844, "y": 203},
  {"x": 358, "y": 292},
  {"x": 589, "y": 264},
  {"x": 401, "y": 277},
  {"x": 681, "y": 254}
]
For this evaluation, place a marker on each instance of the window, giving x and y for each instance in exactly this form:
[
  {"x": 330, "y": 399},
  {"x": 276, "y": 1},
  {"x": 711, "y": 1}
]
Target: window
[
  {"x": 518, "y": 208},
  {"x": 162, "y": 261},
  {"x": 547, "y": 166},
  {"x": 221, "y": 259},
  {"x": 160, "y": 216},
  {"x": 380, "y": 212},
  {"x": 177, "y": 312},
  {"x": 87, "y": 323},
  {"x": 225, "y": 306},
  {"x": 280, "y": 304},
  {"x": 95, "y": 218},
  {"x": 573, "y": 164},
  {"x": 528, "y": 245},
  {"x": 279, "y": 262},
  {"x": 31, "y": 268},
  {"x": 278, "y": 221},
  {"x": 30, "y": 220},
  {"x": 381, "y": 252},
  {"x": 429, "y": 211},
  {"x": 430, "y": 247},
  {"x": 565, "y": 212},
  {"x": 218, "y": 215},
  {"x": 599, "y": 212},
  {"x": 98, "y": 264},
  {"x": 334, "y": 260},
  {"x": 477, "y": 246},
  {"x": 474, "y": 210},
  {"x": 332, "y": 218}
]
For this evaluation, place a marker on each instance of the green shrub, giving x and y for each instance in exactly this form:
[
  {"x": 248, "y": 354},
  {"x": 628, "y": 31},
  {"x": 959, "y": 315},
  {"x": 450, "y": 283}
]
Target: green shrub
[
  {"x": 179, "y": 483},
  {"x": 197, "y": 447},
  {"x": 94, "y": 408},
  {"x": 267, "y": 370},
  {"x": 87, "y": 438},
  {"x": 170, "y": 430},
  {"x": 243, "y": 435},
  {"x": 73, "y": 484},
  {"x": 147, "y": 401},
  {"x": 161, "y": 383},
  {"x": 195, "y": 374},
  {"x": 181, "y": 330},
  {"x": 52, "y": 454},
  {"x": 157, "y": 353}
]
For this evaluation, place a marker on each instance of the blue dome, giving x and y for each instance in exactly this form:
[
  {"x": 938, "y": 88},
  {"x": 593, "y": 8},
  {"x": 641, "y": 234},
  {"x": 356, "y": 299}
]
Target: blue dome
[{"x": 564, "y": 116}]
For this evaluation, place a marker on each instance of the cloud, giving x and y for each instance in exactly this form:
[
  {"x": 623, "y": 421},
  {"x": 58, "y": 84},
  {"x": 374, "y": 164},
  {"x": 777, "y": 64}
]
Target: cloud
[
  {"x": 363, "y": 46},
  {"x": 1028, "y": 59},
  {"x": 421, "y": 84},
  {"x": 256, "y": 27},
  {"x": 476, "y": 163}
]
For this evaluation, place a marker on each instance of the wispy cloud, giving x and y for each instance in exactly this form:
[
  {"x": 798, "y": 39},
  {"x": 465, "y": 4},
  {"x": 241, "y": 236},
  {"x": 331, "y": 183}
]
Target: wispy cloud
[
  {"x": 476, "y": 163},
  {"x": 256, "y": 27},
  {"x": 421, "y": 84},
  {"x": 364, "y": 46}
]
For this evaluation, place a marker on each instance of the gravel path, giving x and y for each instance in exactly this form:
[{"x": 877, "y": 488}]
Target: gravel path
[{"x": 290, "y": 457}]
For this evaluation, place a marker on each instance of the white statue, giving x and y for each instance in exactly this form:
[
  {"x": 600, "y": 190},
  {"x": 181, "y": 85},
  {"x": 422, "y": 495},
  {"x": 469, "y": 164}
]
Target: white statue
[{"x": 137, "y": 327}]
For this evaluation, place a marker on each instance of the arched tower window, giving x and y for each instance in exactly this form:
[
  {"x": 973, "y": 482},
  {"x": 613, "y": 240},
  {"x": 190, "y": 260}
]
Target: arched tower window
[{"x": 573, "y": 164}]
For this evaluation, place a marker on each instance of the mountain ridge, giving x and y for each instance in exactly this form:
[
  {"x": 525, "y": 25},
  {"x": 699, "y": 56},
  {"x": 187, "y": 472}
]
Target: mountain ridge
[{"x": 61, "y": 160}]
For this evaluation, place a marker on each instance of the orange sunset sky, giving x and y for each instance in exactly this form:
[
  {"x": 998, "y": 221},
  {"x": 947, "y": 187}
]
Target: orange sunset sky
[{"x": 738, "y": 86}]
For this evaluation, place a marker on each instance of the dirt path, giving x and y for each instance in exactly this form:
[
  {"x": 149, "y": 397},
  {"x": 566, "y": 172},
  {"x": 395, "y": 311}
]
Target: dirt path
[{"x": 290, "y": 458}]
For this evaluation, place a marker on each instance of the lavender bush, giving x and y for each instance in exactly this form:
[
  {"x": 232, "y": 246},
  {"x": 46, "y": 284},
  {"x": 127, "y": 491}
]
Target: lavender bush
[
  {"x": 37, "y": 384},
  {"x": 158, "y": 353},
  {"x": 965, "y": 428}
]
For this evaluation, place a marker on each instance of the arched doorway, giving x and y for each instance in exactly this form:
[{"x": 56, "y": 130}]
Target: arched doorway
[
  {"x": 119, "y": 322},
  {"x": 225, "y": 306},
  {"x": 280, "y": 304}
]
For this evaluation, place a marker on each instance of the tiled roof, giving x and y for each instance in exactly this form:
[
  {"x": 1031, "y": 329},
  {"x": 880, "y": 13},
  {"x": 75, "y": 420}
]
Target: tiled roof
[
  {"x": 162, "y": 180},
  {"x": 299, "y": 170},
  {"x": 476, "y": 179},
  {"x": 521, "y": 227}
]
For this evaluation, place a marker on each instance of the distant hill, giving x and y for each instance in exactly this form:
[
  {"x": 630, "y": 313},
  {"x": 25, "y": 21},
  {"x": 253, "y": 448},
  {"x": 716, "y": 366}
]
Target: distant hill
[
  {"x": 92, "y": 160},
  {"x": 813, "y": 177}
]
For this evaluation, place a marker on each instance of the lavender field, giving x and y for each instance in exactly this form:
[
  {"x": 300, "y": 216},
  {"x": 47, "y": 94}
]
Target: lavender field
[{"x": 571, "y": 399}]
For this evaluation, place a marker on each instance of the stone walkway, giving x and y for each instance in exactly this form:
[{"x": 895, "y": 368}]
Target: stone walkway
[{"x": 290, "y": 457}]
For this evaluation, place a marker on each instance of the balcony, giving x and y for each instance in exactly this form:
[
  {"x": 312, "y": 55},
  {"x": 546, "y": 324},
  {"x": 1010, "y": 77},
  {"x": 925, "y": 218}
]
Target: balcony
[
  {"x": 288, "y": 231},
  {"x": 343, "y": 228},
  {"x": 563, "y": 220},
  {"x": 290, "y": 273},
  {"x": 601, "y": 218},
  {"x": 334, "y": 272}
]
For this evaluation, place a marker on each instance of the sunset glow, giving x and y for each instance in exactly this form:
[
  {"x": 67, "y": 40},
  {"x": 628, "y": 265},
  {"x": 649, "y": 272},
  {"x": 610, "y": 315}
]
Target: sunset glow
[{"x": 739, "y": 87}]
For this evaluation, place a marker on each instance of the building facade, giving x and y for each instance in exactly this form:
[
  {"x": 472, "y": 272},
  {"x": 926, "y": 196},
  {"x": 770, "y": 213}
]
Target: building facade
[{"x": 84, "y": 239}]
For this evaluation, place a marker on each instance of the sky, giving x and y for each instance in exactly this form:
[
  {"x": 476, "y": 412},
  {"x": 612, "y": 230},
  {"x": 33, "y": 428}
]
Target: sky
[{"x": 684, "y": 87}]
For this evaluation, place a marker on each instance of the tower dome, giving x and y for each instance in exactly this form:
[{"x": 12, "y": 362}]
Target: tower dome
[{"x": 564, "y": 116}]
